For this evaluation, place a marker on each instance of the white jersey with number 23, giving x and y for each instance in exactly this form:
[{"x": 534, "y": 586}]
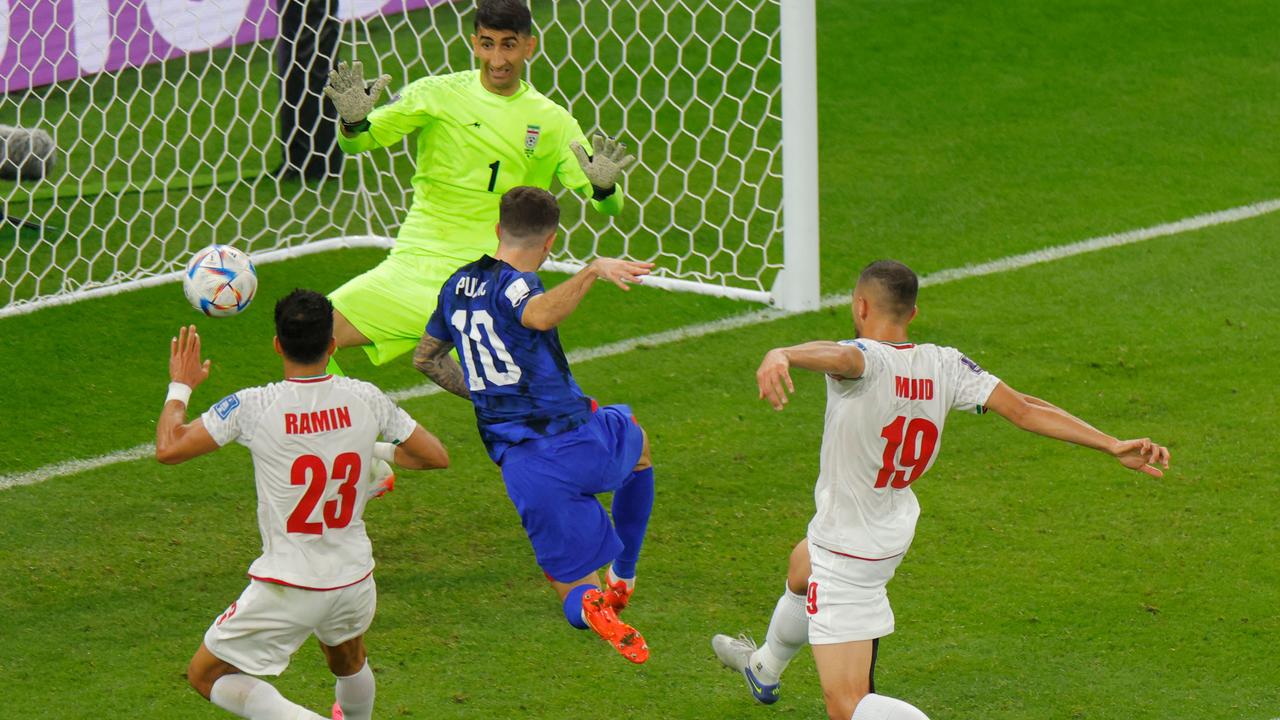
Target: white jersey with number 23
[
  {"x": 882, "y": 432},
  {"x": 312, "y": 445}
]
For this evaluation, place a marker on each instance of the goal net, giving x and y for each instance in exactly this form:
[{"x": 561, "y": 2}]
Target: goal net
[{"x": 167, "y": 121}]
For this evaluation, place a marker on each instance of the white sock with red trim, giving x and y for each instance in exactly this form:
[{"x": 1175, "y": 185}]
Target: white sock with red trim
[
  {"x": 788, "y": 634},
  {"x": 249, "y": 697},
  {"x": 883, "y": 707}
]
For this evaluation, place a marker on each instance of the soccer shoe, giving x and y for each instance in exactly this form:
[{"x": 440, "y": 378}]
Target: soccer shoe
[
  {"x": 603, "y": 619},
  {"x": 337, "y": 712},
  {"x": 735, "y": 653},
  {"x": 384, "y": 479},
  {"x": 616, "y": 592}
]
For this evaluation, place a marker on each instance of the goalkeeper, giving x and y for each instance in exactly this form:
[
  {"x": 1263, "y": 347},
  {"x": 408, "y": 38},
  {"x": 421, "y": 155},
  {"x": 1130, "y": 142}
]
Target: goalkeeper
[{"x": 481, "y": 133}]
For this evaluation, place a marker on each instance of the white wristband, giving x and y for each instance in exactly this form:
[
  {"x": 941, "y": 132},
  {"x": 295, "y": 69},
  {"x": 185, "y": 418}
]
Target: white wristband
[
  {"x": 385, "y": 451},
  {"x": 179, "y": 392}
]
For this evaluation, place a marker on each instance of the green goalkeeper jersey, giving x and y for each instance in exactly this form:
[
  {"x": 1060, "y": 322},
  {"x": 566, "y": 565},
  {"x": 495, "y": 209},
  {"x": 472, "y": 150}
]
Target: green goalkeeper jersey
[{"x": 473, "y": 146}]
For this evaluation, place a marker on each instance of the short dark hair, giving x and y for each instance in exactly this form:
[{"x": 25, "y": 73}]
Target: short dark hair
[
  {"x": 510, "y": 15},
  {"x": 899, "y": 283},
  {"x": 304, "y": 324},
  {"x": 528, "y": 213}
]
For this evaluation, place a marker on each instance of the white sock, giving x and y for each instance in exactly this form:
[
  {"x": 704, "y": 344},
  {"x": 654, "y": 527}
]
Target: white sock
[
  {"x": 355, "y": 694},
  {"x": 883, "y": 707},
  {"x": 249, "y": 697},
  {"x": 611, "y": 578},
  {"x": 788, "y": 634}
]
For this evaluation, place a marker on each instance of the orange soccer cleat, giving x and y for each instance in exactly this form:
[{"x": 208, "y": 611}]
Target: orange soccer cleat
[
  {"x": 603, "y": 619},
  {"x": 616, "y": 592}
]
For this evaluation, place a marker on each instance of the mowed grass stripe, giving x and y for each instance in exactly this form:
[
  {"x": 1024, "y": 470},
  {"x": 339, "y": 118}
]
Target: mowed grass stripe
[{"x": 1014, "y": 262}]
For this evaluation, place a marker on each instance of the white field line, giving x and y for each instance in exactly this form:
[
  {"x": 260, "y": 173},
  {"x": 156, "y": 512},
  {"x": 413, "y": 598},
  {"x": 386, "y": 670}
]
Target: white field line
[{"x": 1006, "y": 264}]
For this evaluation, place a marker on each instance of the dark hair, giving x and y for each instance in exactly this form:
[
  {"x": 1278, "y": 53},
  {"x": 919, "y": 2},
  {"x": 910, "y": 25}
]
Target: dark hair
[
  {"x": 304, "y": 324},
  {"x": 510, "y": 15},
  {"x": 899, "y": 283},
  {"x": 528, "y": 213}
]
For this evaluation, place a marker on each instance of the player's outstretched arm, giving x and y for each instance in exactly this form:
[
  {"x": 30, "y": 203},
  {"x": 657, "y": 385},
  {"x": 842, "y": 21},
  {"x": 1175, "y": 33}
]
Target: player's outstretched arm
[
  {"x": 176, "y": 439},
  {"x": 774, "y": 375},
  {"x": 549, "y": 309},
  {"x": 1037, "y": 416},
  {"x": 421, "y": 451},
  {"x": 432, "y": 359}
]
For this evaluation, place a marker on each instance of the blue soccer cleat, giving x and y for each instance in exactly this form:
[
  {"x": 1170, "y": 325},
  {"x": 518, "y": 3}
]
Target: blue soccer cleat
[{"x": 736, "y": 653}]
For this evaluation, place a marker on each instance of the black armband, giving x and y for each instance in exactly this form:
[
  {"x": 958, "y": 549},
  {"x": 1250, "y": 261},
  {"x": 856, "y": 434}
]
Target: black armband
[
  {"x": 356, "y": 128},
  {"x": 599, "y": 194}
]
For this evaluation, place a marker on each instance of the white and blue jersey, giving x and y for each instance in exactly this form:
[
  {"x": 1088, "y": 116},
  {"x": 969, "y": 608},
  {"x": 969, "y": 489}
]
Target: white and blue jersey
[{"x": 519, "y": 378}]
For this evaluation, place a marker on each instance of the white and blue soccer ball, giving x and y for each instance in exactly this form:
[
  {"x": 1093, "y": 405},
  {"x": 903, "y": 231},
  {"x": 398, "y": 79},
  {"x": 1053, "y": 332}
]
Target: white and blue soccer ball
[{"x": 220, "y": 281}]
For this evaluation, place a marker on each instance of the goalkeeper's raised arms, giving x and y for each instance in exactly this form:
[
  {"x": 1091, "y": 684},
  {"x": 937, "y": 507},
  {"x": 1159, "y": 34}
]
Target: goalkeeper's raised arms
[
  {"x": 351, "y": 95},
  {"x": 607, "y": 161}
]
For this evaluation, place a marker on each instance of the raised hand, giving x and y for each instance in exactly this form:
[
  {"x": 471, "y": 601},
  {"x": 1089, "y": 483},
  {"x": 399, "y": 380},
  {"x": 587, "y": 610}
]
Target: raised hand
[
  {"x": 607, "y": 161},
  {"x": 185, "y": 365},
  {"x": 774, "y": 378},
  {"x": 1142, "y": 455},
  {"x": 351, "y": 95},
  {"x": 621, "y": 272}
]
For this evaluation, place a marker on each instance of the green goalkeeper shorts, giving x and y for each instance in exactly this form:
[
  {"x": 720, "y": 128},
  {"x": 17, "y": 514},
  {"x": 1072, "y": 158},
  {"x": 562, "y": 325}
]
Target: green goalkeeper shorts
[{"x": 391, "y": 303}]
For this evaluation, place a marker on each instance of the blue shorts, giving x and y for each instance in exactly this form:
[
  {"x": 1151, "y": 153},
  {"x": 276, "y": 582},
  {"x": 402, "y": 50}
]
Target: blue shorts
[{"x": 553, "y": 482}]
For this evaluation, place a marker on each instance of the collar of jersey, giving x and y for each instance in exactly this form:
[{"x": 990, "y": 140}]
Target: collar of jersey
[
  {"x": 309, "y": 378},
  {"x": 898, "y": 346},
  {"x": 483, "y": 91}
]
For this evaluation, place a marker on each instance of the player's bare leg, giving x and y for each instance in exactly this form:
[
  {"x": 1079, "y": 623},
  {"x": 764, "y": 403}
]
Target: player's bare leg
[
  {"x": 844, "y": 670},
  {"x": 788, "y": 633},
  {"x": 585, "y": 607},
  {"x": 226, "y": 686},
  {"x": 346, "y": 334},
  {"x": 632, "y": 505},
  {"x": 355, "y": 687}
]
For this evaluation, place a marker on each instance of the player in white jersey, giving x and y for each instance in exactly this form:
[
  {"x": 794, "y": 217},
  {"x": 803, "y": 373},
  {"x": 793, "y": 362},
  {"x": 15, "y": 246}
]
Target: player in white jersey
[
  {"x": 313, "y": 438},
  {"x": 887, "y": 401}
]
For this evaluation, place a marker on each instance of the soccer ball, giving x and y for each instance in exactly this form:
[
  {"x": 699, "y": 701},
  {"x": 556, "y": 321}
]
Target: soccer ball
[{"x": 220, "y": 281}]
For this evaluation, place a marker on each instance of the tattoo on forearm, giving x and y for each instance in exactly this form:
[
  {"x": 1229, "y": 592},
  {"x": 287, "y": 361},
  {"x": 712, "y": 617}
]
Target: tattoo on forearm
[{"x": 431, "y": 358}]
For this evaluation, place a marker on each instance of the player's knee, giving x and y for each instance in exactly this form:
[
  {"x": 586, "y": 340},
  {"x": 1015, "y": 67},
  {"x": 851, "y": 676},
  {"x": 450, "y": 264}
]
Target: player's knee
[
  {"x": 839, "y": 707},
  {"x": 644, "y": 463},
  {"x": 798, "y": 568},
  {"x": 199, "y": 678}
]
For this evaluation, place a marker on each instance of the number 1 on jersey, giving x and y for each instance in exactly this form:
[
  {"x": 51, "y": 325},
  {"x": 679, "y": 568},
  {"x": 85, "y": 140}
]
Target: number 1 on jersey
[
  {"x": 493, "y": 176},
  {"x": 918, "y": 439}
]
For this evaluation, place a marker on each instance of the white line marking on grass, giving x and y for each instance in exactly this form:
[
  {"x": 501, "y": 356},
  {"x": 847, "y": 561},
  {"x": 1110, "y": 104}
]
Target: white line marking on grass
[
  {"x": 758, "y": 317},
  {"x": 71, "y": 467}
]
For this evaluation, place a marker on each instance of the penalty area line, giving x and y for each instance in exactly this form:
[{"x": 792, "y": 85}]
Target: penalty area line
[{"x": 757, "y": 317}]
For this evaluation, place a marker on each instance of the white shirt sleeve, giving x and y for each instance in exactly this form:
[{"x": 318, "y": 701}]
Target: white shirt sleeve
[
  {"x": 394, "y": 424},
  {"x": 873, "y": 364},
  {"x": 973, "y": 384},
  {"x": 232, "y": 417}
]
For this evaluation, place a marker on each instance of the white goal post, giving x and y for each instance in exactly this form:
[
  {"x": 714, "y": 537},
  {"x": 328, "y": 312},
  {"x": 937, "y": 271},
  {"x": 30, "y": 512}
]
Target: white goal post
[{"x": 166, "y": 118}]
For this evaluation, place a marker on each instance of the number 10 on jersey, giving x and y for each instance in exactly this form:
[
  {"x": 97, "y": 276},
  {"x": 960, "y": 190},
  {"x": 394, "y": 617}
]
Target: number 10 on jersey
[{"x": 479, "y": 338}]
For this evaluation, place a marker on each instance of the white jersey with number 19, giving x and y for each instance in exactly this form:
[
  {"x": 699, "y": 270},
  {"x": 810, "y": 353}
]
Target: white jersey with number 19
[
  {"x": 882, "y": 432},
  {"x": 312, "y": 445}
]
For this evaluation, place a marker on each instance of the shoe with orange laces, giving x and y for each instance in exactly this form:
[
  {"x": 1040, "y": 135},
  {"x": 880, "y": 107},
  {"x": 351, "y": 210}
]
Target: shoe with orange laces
[
  {"x": 617, "y": 593},
  {"x": 337, "y": 711},
  {"x": 603, "y": 619}
]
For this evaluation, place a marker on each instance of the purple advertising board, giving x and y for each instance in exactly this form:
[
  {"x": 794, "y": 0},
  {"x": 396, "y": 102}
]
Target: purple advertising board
[{"x": 46, "y": 41}]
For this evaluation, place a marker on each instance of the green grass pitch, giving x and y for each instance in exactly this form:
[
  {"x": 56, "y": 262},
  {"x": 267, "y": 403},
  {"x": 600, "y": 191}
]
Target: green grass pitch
[{"x": 1044, "y": 582}]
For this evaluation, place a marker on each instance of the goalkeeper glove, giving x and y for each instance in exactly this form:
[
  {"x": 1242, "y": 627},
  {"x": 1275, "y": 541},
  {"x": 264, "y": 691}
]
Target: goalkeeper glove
[
  {"x": 605, "y": 165},
  {"x": 352, "y": 96}
]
